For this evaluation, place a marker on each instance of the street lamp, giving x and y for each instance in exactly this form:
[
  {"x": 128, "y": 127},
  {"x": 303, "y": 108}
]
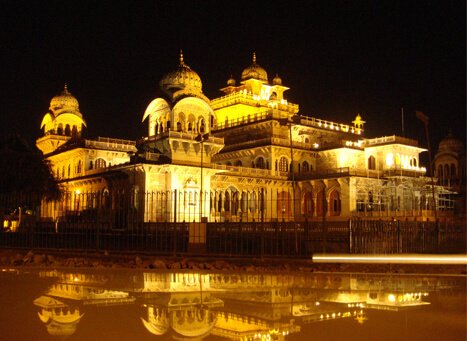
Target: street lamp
[
  {"x": 425, "y": 119},
  {"x": 200, "y": 139},
  {"x": 290, "y": 121},
  {"x": 294, "y": 120}
]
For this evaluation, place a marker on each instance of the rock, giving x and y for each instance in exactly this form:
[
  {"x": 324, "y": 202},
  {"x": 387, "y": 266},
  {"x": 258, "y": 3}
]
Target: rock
[
  {"x": 184, "y": 263},
  {"x": 209, "y": 266},
  {"x": 29, "y": 257},
  {"x": 38, "y": 259},
  {"x": 159, "y": 264},
  {"x": 221, "y": 265},
  {"x": 176, "y": 265}
]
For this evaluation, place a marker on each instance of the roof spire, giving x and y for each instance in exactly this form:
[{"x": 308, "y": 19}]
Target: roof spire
[
  {"x": 181, "y": 57},
  {"x": 254, "y": 57},
  {"x": 65, "y": 89}
]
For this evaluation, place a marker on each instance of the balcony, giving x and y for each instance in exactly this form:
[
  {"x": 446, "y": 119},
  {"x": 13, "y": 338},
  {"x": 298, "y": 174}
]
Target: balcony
[{"x": 252, "y": 100}]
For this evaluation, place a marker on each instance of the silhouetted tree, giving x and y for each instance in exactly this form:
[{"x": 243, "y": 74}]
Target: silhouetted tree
[{"x": 24, "y": 170}]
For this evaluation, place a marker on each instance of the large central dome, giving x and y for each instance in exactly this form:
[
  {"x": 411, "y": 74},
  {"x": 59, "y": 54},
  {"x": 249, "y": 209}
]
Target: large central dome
[
  {"x": 255, "y": 71},
  {"x": 181, "y": 78}
]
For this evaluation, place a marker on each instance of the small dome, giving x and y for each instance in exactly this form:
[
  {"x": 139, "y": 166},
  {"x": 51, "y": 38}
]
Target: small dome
[
  {"x": 181, "y": 78},
  {"x": 255, "y": 71},
  {"x": 451, "y": 144},
  {"x": 277, "y": 80},
  {"x": 64, "y": 101},
  {"x": 231, "y": 81}
]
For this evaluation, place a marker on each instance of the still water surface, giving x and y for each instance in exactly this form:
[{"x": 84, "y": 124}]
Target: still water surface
[{"x": 142, "y": 305}]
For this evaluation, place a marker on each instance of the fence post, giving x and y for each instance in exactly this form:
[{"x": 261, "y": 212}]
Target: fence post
[{"x": 399, "y": 243}]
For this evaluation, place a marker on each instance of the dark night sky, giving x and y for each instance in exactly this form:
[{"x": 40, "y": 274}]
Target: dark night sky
[{"x": 338, "y": 57}]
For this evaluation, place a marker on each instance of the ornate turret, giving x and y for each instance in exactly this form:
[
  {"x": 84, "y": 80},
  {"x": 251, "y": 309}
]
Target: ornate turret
[
  {"x": 62, "y": 122},
  {"x": 254, "y": 71},
  {"x": 358, "y": 124}
]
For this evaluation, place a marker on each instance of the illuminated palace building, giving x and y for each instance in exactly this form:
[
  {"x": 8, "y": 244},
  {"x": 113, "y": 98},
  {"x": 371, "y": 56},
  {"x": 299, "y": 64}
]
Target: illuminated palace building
[{"x": 245, "y": 156}]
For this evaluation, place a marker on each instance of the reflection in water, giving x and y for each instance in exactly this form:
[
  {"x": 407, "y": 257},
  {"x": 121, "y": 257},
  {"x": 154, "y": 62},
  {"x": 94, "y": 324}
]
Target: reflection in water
[{"x": 238, "y": 306}]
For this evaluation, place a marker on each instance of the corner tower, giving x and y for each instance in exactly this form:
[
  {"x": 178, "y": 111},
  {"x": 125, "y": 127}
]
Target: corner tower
[{"x": 61, "y": 123}]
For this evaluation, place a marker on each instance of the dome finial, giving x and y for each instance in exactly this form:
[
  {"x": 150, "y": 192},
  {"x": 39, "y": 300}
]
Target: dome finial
[
  {"x": 65, "y": 89},
  {"x": 254, "y": 57},
  {"x": 181, "y": 57}
]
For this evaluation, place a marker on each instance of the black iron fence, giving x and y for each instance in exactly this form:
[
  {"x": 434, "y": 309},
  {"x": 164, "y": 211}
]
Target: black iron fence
[
  {"x": 115, "y": 222},
  {"x": 244, "y": 239}
]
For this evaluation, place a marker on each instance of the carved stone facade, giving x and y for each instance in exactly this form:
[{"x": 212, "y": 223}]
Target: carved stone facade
[{"x": 248, "y": 155}]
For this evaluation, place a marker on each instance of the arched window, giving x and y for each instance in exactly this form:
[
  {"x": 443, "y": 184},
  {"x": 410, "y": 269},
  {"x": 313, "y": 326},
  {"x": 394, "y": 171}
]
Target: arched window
[
  {"x": 283, "y": 164},
  {"x": 446, "y": 174},
  {"x": 227, "y": 201},
  {"x": 320, "y": 203},
  {"x": 78, "y": 167},
  {"x": 453, "y": 172},
  {"x": 69, "y": 170},
  {"x": 372, "y": 163},
  {"x": 90, "y": 164},
  {"x": 308, "y": 204},
  {"x": 202, "y": 126},
  {"x": 238, "y": 163},
  {"x": 179, "y": 126},
  {"x": 335, "y": 203},
  {"x": 260, "y": 162},
  {"x": 415, "y": 162},
  {"x": 284, "y": 204},
  {"x": 305, "y": 167},
  {"x": 67, "y": 130},
  {"x": 100, "y": 163},
  {"x": 74, "y": 131},
  {"x": 63, "y": 171},
  {"x": 440, "y": 173},
  {"x": 60, "y": 129},
  {"x": 167, "y": 125}
]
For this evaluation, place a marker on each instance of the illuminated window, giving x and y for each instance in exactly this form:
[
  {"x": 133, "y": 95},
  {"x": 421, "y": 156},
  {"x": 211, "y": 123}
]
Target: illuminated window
[
  {"x": 305, "y": 167},
  {"x": 100, "y": 163},
  {"x": 283, "y": 164}
]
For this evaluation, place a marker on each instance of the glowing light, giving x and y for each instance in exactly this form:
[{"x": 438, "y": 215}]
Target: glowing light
[
  {"x": 394, "y": 259},
  {"x": 315, "y": 145},
  {"x": 389, "y": 160},
  {"x": 391, "y": 298},
  {"x": 78, "y": 192}
]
